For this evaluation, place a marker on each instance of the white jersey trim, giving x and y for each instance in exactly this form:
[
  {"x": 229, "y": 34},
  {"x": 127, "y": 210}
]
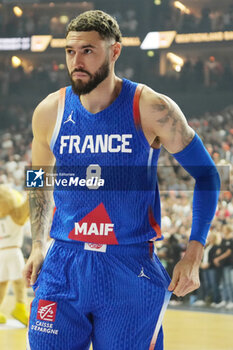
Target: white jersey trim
[
  {"x": 60, "y": 112},
  {"x": 160, "y": 319},
  {"x": 149, "y": 163},
  {"x": 150, "y": 157}
]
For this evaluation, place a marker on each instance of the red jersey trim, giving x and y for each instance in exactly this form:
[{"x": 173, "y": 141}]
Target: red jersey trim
[
  {"x": 136, "y": 111},
  {"x": 154, "y": 224}
]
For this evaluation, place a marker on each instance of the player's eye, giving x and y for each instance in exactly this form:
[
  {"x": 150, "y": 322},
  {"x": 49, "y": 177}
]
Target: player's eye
[
  {"x": 70, "y": 51},
  {"x": 87, "y": 51}
]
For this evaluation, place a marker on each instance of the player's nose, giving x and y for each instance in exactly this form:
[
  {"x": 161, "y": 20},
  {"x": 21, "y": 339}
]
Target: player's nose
[{"x": 78, "y": 61}]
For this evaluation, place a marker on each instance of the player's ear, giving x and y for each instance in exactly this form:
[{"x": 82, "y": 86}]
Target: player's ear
[{"x": 116, "y": 51}]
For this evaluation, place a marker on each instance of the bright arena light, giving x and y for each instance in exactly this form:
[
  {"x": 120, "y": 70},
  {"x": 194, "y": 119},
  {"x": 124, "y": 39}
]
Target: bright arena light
[
  {"x": 176, "y": 60},
  {"x": 15, "y": 61},
  {"x": 151, "y": 41},
  {"x": 17, "y": 11},
  {"x": 177, "y": 68},
  {"x": 181, "y": 7},
  {"x": 158, "y": 40},
  {"x": 150, "y": 53},
  {"x": 64, "y": 19}
]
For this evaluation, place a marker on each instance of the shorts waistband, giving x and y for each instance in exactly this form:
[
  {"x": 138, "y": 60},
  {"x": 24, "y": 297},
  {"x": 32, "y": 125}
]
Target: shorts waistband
[{"x": 138, "y": 249}]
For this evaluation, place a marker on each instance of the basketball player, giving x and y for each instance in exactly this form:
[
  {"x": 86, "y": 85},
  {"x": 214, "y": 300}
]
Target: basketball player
[
  {"x": 14, "y": 212},
  {"x": 100, "y": 281}
]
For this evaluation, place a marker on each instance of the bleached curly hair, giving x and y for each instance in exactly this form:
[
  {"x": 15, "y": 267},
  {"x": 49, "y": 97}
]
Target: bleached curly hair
[{"x": 96, "y": 20}]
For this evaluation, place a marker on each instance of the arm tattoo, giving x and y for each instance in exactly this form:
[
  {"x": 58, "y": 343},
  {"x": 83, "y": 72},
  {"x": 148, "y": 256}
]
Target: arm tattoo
[
  {"x": 160, "y": 106},
  {"x": 174, "y": 121},
  {"x": 41, "y": 212}
]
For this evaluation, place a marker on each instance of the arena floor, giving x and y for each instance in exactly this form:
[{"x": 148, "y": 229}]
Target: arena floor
[{"x": 184, "y": 330}]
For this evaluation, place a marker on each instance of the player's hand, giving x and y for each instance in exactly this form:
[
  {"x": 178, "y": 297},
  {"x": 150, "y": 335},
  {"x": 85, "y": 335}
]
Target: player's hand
[
  {"x": 33, "y": 266},
  {"x": 185, "y": 278}
]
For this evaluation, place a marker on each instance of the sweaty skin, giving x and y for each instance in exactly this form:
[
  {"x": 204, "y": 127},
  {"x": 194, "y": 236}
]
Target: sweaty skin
[{"x": 162, "y": 121}]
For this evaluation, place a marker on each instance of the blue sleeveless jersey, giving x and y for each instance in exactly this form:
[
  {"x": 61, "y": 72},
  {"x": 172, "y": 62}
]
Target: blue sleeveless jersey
[{"x": 122, "y": 205}]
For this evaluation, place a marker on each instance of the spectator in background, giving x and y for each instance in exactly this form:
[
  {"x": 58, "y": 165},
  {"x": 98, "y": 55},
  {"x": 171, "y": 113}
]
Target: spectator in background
[
  {"x": 217, "y": 24},
  {"x": 210, "y": 274},
  {"x": 188, "y": 24},
  {"x": 198, "y": 73},
  {"x": 214, "y": 272},
  {"x": 225, "y": 259},
  {"x": 30, "y": 24},
  {"x": 174, "y": 251},
  {"x": 186, "y": 75},
  {"x": 1, "y": 21},
  {"x": 205, "y": 22},
  {"x": 227, "y": 76},
  {"x": 227, "y": 20},
  {"x": 213, "y": 71}
]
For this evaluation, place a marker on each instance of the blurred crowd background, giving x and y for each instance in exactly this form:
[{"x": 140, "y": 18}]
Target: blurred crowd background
[
  {"x": 202, "y": 86},
  {"x": 165, "y": 16}
]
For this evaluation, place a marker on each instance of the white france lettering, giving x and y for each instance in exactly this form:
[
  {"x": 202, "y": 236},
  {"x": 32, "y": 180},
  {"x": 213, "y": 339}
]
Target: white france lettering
[
  {"x": 80, "y": 229},
  {"x": 88, "y": 143},
  {"x": 110, "y": 141},
  {"x": 63, "y": 143},
  {"x": 126, "y": 143},
  {"x": 100, "y": 144},
  {"x": 74, "y": 142},
  {"x": 96, "y": 144}
]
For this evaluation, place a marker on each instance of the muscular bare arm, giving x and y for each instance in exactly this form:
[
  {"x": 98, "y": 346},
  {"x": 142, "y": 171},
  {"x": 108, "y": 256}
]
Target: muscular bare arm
[
  {"x": 164, "y": 123},
  {"x": 41, "y": 201}
]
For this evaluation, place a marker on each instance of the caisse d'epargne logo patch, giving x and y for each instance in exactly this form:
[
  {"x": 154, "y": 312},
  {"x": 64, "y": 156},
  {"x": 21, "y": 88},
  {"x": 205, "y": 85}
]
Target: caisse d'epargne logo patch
[{"x": 46, "y": 310}]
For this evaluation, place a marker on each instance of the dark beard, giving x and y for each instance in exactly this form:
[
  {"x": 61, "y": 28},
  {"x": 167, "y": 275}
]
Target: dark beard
[{"x": 80, "y": 88}]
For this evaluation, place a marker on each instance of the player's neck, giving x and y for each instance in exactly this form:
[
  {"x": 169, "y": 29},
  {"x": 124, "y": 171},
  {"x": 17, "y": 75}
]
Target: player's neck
[{"x": 102, "y": 96}]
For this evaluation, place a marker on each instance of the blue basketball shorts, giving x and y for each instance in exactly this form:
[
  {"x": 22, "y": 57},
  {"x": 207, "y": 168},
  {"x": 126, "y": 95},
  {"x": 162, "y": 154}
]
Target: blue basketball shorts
[{"x": 113, "y": 296}]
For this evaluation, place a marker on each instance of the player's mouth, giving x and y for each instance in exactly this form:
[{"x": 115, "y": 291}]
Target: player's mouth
[{"x": 79, "y": 75}]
